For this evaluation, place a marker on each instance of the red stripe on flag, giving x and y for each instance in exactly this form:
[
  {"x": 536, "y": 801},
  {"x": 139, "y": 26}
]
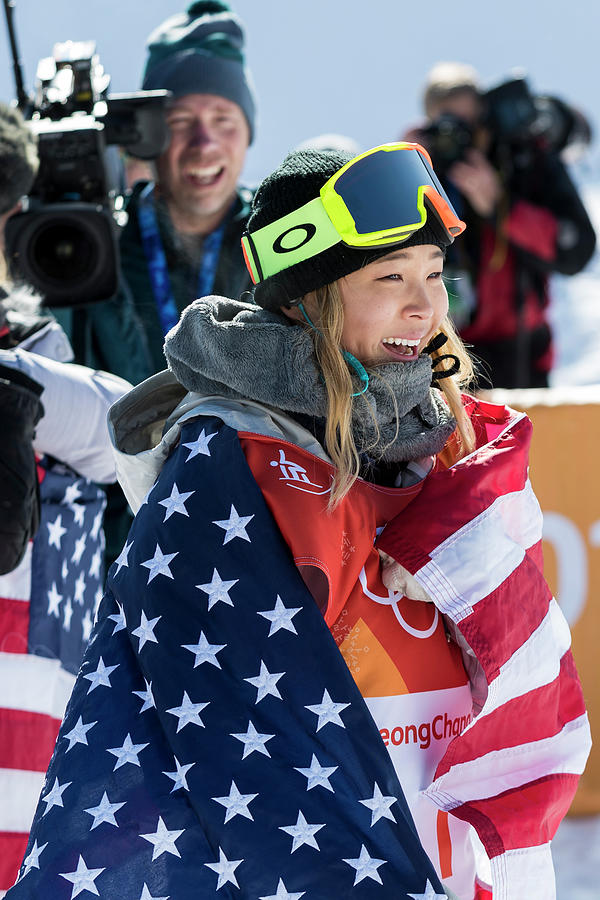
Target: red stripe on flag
[
  {"x": 526, "y": 816},
  {"x": 14, "y": 628},
  {"x": 539, "y": 714},
  {"x": 479, "y": 484},
  {"x": 495, "y": 635},
  {"x": 28, "y": 739},
  {"x": 444, "y": 844},
  {"x": 12, "y": 851}
]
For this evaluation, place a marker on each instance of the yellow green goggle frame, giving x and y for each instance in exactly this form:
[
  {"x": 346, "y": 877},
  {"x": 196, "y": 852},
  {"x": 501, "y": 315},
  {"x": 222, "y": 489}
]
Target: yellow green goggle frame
[{"x": 373, "y": 188}]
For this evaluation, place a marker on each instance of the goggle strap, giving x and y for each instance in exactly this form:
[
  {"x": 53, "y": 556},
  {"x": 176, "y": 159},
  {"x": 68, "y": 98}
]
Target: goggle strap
[
  {"x": 297, "y": 236},
  {"x": 251, "y": 258}
]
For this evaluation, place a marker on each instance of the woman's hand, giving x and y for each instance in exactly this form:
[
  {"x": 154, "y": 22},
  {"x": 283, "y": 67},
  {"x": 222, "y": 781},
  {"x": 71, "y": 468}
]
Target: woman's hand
[{"x": 396, "y": 578}]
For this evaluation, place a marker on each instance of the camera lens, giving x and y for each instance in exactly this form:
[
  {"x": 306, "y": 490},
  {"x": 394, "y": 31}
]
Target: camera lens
[
  {"x": 62, "y": 252},
  {"x": 66, "y": 251}
]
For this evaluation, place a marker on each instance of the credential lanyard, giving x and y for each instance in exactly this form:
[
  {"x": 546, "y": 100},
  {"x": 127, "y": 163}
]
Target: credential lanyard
[{"x": 157, "y": 261}]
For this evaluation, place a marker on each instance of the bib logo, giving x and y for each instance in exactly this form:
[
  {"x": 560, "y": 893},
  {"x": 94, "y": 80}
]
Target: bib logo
[
  {"x": 392, "y": 600},
  {"x": 296, "y": 476}
]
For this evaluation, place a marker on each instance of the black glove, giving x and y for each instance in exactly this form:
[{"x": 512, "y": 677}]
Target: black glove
[{"x": 20, "y": 411}]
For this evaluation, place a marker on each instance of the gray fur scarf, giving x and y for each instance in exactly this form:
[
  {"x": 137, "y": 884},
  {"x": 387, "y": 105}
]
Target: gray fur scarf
[{"x": 239, "y": 350}]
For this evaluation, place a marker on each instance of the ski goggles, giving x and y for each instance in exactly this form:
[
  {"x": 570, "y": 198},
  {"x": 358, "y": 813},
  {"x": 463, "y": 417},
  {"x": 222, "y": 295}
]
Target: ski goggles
[{"x": 380, "y": 197}]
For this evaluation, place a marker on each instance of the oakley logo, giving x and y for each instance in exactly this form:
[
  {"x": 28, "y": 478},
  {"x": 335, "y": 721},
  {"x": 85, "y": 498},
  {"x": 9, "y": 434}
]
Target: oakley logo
[{"x": 306, "y": 233}]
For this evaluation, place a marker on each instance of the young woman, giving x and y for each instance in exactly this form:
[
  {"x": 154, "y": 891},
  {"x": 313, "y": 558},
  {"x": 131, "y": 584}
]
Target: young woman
[{"x": 264, "y": 709}]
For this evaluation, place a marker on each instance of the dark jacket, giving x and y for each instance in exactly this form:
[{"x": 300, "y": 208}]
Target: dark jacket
[
  {"x": 123, "y": 335},
  {"x": 541, "y": 227}
]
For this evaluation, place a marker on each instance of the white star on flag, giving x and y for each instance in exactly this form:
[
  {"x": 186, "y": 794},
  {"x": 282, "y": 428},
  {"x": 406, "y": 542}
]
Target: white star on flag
[
  {"x": 253, "y": 740},
  {"x": 234, "y": 526},
  {"x": 163, "y": 840},
  {"x": 317, "y": 775},
  {"x": 235, "y": 803},
  {"x": 328, "y": 711},
  {"x": 121, "y": 560},
  {"x": 101, "y": 677},
  {"x": 32, "y": 860},
  {"x": 95, "y": 529},
  {"x": 78, "y": 734},
  {"x": 280, "y": 617},
  {"x": 187, "y": 712},
  {"x": 429, "y": 894},
  {"x": 68, "y": 611},
  {"x": 95, "y": 564},
  {"x": 379, "y": 806},
  {"x": 54, "y": 795},
  {"x": 97, "y": 600},
  {"x": 79, "y": 549},
  {"x": 225, "y": 869},
  {"x": 64, "y": 570},
  {"x": 283, "y": 893},
  {"x": 366, "y": 866},
  {"x": 178, "y": 776},
  {"x": 104, "y": 812},
  {"x": 200, "y": 445},
  {"x": 79, "y": 589},
  {"x": 146, "y": 696},
  {"x": 159, "y": 564},
  {"x": 175, "y": 503},
  {"x": 265, "y": 682},
  {"x": 119, "y": 619},
  {"x": 145, "y": 630},
  {"x": 204, "y": 652},
  {"x": 56, "y": 532},
  {"x": 72, "y": 493},
  {"x": 83, "y": 878},
  {"x": 54, "y": 601},
  {"x": 78, "y": 513},
  {"x": 218, "y": 590},
  {"x": 302, "y": 832},
  {"x": 128, "y": 753},
  {"x": 86, "y": 626},
  {"x": 146, "y": 895}
]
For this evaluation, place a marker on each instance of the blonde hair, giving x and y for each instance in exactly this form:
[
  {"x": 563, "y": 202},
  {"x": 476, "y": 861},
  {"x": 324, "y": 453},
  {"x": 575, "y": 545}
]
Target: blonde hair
[{"x": 339, "y": 440}]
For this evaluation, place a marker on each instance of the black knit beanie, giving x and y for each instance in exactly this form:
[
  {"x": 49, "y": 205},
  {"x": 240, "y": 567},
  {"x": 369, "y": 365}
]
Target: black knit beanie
[
  {"x": 18, "y": 157},
  {"x": 201, "y": 51},
  {"x": 297, "y": 180}
]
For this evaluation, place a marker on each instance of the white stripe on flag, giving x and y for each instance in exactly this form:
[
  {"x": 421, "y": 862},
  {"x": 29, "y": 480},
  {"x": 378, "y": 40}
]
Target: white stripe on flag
[
  {"x": 512, "y": 767},
  {"x": 524, "y": 873},
  {"x": 20, "y": 791},
  {"x": 475, "y": 560},
  {"x": 17, "y": 584},
  {"x": 34, "y": 684},
  {"x": 534, "y": 664}
]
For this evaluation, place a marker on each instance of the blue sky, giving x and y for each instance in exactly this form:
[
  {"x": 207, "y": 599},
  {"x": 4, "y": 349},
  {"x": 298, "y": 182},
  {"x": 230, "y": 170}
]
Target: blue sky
[{"x": 343, "y": 66}]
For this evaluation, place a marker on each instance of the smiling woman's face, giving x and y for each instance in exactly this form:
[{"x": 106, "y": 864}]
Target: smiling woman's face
[{"x": 393, "y": 306}]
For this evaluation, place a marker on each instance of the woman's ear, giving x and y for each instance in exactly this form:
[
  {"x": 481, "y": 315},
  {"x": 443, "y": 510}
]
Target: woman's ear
[{"x": 292, "y": 312}]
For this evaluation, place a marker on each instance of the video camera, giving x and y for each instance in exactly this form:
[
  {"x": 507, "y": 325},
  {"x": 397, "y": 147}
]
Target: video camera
[
  {"x": 516, "y": 119},
  {"x": 64, "y": 243}
]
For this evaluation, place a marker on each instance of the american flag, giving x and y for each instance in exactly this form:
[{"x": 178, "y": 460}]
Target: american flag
[
  {"x": 513, "y": 771},
  {"x": 215, "y": 743},
  {"x": 46, "y": 615}
]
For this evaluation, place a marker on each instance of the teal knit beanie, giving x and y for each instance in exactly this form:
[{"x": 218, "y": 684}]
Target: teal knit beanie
[{"x": 201, "y": 51}]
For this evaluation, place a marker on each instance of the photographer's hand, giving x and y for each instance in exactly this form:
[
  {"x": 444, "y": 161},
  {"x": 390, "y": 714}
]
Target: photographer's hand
[{"x": 477, "y": 179}]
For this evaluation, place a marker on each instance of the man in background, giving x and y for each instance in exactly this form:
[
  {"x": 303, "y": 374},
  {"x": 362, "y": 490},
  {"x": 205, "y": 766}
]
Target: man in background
[
  {"x": 182, "y": 238},
  {"x": 525, "y": 219}
]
